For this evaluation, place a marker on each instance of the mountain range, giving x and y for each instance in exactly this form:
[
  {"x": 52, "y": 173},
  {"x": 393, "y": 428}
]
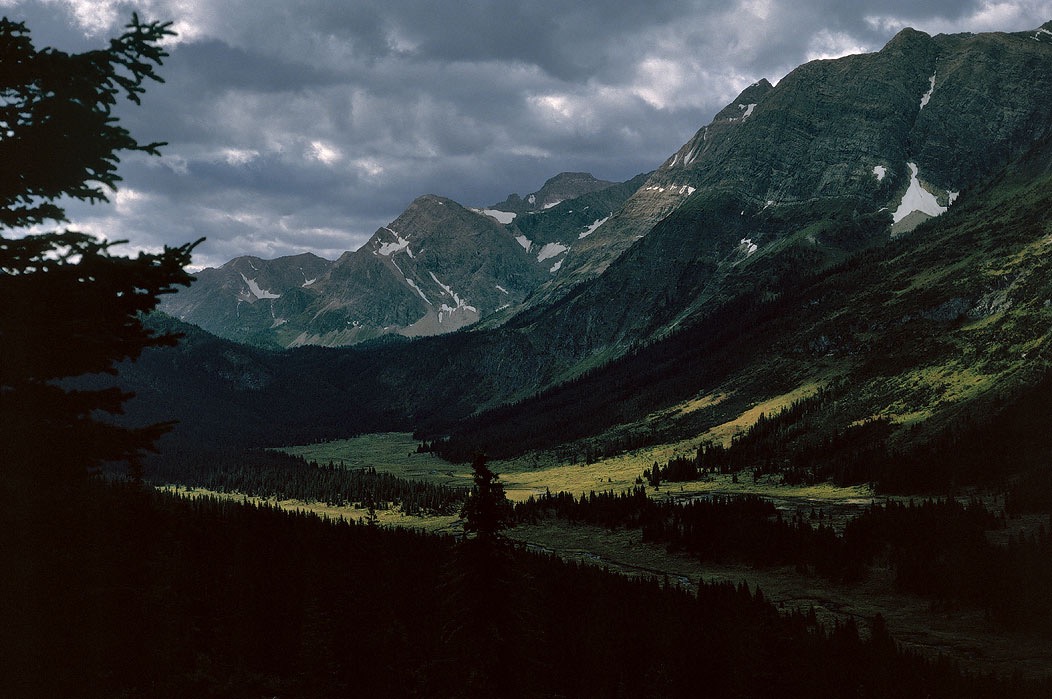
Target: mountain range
[
  {"x": 865, "y": 241},
  {"x": 438, "y": 267}
]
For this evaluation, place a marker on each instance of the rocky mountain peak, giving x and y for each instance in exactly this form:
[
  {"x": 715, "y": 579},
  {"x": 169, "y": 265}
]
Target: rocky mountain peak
[
  {"x": 562, "y": 187},
  {"x": 907, "y": 40},
  {"x": 742, "y": 107}
]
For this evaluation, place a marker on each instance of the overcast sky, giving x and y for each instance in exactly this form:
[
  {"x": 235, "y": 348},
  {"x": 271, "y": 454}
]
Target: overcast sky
[{"x": 304, "y": 125}]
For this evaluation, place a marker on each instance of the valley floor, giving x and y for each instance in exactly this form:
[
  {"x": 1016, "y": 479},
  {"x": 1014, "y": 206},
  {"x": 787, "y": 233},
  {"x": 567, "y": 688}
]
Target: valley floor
[{"x": 961, "y": 634}]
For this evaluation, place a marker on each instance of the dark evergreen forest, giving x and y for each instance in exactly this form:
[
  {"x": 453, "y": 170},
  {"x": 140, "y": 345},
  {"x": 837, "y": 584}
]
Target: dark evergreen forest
[
  {"x": 271, "y": 474},
  {"x": 938, "y": 548},
  {"x": 119, "y": 591}
]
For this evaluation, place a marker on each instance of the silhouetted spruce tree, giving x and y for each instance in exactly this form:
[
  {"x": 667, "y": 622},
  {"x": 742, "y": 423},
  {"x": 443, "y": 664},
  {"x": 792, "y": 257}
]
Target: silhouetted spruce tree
[
  {"x": 482, "y": 630},
  {"x": 70, "y": 307},
  {"x": 487, "y": 511}
]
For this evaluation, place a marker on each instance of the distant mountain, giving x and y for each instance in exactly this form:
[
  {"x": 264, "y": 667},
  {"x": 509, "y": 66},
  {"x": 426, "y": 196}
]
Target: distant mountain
[
  {"x": 249, "y": 299},
  {"x": 437, "y": 268},
  {"x": 562, "y": 187}
]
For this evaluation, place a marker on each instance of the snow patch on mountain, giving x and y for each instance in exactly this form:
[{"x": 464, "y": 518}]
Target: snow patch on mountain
[
  {"x": 687, "y": 159},
  {"x": 675, "y": 189},
  {"x": 591, "y": 229},
  {"x": 927, "y": 95},
  {"x": 525, "y": 242},
  {"x": 460, "y": 303},
  {"x": 879, "y": 171},
  {"x": 388, "y": 249},
  {"x": 551, "y": 250},
  {"x": 747, "y": 110},
  {"x": 504, "y": 217},
  {"x": 917, "y": 198},
  {"x": 556, "y": 266},
  {"x": 256, "y": 291},
  {"x": 411, "y": 283}
]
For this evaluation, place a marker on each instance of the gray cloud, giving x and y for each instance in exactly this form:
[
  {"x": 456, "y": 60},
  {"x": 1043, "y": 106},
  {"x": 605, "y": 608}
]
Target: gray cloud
[{"x": 306, "y": 126}]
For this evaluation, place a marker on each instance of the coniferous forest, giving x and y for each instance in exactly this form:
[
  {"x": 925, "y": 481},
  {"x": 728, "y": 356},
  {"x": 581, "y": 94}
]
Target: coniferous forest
[{"x": 125, "y": 591}]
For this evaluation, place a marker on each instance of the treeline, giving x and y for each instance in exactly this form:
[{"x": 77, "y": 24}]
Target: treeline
[
  {"x": 795, "y": 446},
  {"x": 1030, "y": 492},
  {"x": 799, "y": 445},
  {"x": 125, "y": 592},
  {"x": 740, "y": 528},
  {"x": 271, "y": 474},
  {"x": 939, "y": 549}
]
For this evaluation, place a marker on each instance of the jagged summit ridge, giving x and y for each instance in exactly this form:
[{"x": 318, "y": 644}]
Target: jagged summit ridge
[{"x": 560, "y": 188}]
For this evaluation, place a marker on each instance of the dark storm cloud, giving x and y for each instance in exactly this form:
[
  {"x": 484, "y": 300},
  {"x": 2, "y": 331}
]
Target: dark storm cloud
[{"x": 307, "y": 125}]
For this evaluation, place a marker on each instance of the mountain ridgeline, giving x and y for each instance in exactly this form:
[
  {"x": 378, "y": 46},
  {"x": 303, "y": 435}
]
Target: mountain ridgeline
[
  {"x": 437, "y": 268},
  {"x": 868, "y": 232}
]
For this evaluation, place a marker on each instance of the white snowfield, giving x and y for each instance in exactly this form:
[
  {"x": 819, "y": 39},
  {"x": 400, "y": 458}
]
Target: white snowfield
[
  {"x": 675, "y": 189},
  {"x": 591, "y": 229},
  {"x": 504, "y": 217},
  {"x": 927, "y": 95},
  {"x": 917, "y": 198},
  {"x": 256, "y": 291},
  {"x": 417, "y": 288},
  {"x": 688, "y": 158},
  {"x": 551, "y": 250},
  {"x": 388, "y": 249},
  {"x": 460, "y": 303}
]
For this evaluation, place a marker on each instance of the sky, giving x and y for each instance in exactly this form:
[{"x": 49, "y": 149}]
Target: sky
[{"x": 305, "y": 126}]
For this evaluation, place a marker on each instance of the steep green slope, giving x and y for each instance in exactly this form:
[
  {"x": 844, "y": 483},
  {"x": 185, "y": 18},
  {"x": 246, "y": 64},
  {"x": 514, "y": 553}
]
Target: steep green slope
[{"x": 944, "y": 327}]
